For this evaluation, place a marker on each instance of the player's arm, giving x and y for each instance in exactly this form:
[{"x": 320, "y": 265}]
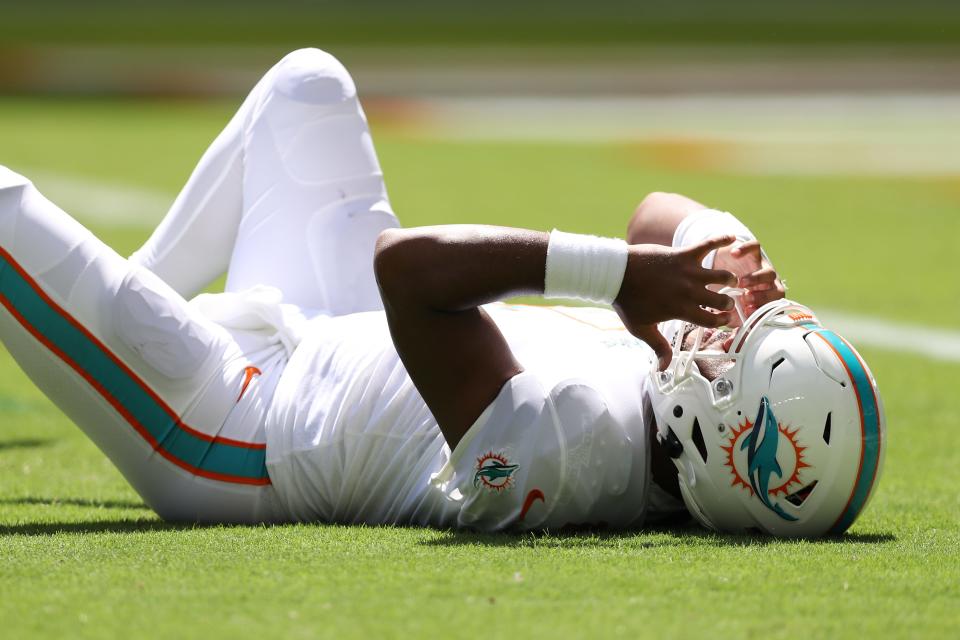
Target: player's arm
[
  {"x": 433, "y": 281},
  {"x": 658, "y": 217}
]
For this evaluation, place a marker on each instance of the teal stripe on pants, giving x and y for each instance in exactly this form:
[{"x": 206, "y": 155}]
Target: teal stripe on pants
[{"x": 223, "y": 459}]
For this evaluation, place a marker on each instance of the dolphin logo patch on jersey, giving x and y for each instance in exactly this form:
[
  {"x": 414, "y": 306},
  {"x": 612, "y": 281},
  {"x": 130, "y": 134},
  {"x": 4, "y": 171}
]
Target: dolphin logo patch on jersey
[{"x": 494, "y": 472}]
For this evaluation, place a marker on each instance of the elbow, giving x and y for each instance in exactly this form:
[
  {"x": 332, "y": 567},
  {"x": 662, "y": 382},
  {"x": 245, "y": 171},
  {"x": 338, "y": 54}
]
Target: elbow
[
  {"x": 386, "y": 256},
  {"x": 415, "y": 267},
  {"x": 656, "y": 217},
  {"x": 651, "y": 202},
  {"x": 386, "y": 247},
  {"x": 640, "y": 221},
  {"x": 401, "y": 257}
]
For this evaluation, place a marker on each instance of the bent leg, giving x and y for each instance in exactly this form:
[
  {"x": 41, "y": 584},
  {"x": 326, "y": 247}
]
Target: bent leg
[
  {"x": 148, "y": 380},
  {"x": 292, "y": 190},
  {"x": 192, "y": 245},
  {"x": 314, "y": 195}
]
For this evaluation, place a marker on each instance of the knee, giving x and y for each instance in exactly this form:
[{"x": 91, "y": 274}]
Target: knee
[
  {"x": 314, "y": 76},
  {"x": 635, "y": 227}
]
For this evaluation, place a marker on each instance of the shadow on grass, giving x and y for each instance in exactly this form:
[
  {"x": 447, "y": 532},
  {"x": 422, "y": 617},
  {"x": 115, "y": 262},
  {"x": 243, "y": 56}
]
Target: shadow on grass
[
  {"x": 23, "y": 443},
  {"x": 76, "y": 502},
  {"x": 641, "y": 538},
  {"x": 648, "y": 538},
  {"x": 129, "y": 525}
]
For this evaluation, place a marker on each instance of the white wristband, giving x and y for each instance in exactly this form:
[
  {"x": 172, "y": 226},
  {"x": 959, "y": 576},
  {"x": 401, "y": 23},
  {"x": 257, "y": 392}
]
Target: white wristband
[
  {"x": 708, "y": 223},
  {"x": 584, "y": 267}
]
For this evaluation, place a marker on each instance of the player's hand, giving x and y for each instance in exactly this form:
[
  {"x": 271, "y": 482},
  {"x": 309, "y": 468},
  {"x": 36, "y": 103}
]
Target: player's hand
[
  {"x": 662, "y": 283},
  {"x": 754, "y": 273}
]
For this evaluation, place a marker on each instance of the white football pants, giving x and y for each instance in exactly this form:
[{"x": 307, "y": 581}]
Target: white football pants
[{"x": 289, "y": 195}]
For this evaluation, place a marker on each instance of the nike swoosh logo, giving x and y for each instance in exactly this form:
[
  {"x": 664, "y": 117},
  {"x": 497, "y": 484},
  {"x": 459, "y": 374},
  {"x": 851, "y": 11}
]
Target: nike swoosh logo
[
  {"x": 533, "y": 496},
  {"x": 248, "y": 374}
]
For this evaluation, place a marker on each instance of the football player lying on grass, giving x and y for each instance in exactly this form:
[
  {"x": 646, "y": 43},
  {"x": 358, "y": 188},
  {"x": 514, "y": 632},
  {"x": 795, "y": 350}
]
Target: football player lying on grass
[{"x": 306, "y": 392}]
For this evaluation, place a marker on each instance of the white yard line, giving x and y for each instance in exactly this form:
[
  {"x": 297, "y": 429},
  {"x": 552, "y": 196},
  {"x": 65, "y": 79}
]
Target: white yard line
[
  {"x": 803, "y": 134},
  {"x": 754, "y": 118},
  {"x": 94, "y": 201},
  {"x": 861, "y": 330}
]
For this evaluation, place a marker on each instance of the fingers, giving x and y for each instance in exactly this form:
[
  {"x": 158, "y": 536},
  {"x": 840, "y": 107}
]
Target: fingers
[
  {"x": 705, "y": 318},
  {"x": 747, "y": 256},
  {"x": 760, "y": 298},
  {"x": 763, "y": 286},
  {"x": 649, "y": 334},
  {"x": 765, "y": 276},
  {"x": 718, "y": 276},
  {"x": 746, "y": 248},
  {"x": 756, "y": 298},
  {"x": 702, "y": 249},
  {"x": 714, "y": 300}
]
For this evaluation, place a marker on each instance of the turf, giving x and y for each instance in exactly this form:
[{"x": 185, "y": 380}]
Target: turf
[{"x": 81, "y": 556}]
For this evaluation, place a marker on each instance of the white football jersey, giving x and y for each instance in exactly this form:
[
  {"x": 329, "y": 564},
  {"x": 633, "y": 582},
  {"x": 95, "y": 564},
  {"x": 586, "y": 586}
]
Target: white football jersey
[{"x": 349, "y": 439}]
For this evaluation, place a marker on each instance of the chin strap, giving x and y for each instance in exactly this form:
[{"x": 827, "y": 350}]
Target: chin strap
[{"x": 736, "y": 293}]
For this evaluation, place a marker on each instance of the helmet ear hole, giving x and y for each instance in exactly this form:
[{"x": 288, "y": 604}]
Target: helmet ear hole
[
  {"x": 826, "y": 429},
  {"x": 698, "y": 442}
]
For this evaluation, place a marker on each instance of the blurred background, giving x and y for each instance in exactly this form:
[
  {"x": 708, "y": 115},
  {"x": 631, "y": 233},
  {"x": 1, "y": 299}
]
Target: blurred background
[{"x": 832, "y": 128}]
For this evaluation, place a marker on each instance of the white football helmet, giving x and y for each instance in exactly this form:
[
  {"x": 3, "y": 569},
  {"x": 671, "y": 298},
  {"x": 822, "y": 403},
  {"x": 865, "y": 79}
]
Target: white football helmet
[{"x": 790, "y": 440}]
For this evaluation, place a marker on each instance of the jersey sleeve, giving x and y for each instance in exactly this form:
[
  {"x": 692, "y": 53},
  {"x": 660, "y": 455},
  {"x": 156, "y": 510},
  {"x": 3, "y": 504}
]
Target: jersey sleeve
[{"x": 541, "y": 458}]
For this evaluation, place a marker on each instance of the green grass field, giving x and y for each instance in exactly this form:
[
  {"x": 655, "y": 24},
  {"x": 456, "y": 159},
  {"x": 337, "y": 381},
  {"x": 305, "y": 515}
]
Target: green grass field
[{"x": 80, "y": 556}]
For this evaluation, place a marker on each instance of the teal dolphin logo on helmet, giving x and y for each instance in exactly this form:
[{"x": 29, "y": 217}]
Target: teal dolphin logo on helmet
[{"x": 761, "y": 446}]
